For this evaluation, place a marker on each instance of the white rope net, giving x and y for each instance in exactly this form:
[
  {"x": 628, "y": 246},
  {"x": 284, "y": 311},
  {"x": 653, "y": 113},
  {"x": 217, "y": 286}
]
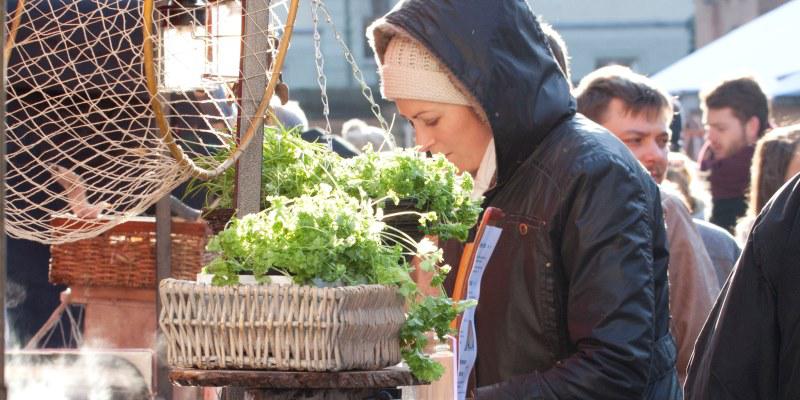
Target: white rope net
[{"x": 82, "y": 138}]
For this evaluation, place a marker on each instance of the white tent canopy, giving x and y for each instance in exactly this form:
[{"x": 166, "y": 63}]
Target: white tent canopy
[
  {"x": 788, "y": 86},
  {"x": 765, "y": 47}
]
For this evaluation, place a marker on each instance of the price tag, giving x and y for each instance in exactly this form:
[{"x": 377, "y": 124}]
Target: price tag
[{"x": 467, "y": 342}]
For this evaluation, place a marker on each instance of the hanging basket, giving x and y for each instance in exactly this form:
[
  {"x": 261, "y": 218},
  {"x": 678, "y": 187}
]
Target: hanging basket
[
  {"x": 280, "y": 327},
  {"x": 125, "y": 256}
]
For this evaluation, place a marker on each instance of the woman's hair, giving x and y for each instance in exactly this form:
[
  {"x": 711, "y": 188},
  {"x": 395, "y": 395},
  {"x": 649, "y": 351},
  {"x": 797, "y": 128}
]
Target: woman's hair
[
  {"x": 773, "y": 154},
  {"x": 681, "y": 173}
]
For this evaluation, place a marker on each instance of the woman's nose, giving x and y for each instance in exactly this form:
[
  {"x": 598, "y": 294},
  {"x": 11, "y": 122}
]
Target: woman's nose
[{"x": 422, "y": 140}]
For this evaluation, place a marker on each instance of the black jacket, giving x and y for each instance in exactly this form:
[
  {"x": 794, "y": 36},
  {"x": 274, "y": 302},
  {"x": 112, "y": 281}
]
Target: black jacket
[
  {"x": 750, "y": 345},
  {"x": 574, "y": 302}
]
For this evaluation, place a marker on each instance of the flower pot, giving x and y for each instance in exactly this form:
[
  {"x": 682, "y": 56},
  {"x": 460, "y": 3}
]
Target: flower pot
[{"x": 407, "y": 223}]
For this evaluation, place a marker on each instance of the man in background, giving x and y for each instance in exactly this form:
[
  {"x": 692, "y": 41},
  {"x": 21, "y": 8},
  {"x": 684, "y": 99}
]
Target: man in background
[{"x": 735, "y": 115}]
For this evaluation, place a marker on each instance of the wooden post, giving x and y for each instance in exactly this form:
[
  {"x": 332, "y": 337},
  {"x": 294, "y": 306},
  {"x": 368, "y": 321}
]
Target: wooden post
[
  {"x": 255, "y": 61},
  {"x": 163, "y": 271}
]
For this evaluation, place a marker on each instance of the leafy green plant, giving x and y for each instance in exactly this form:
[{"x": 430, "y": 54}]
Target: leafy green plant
[
  {"x": 324, "y": 222},
  {"x": 432, "y": 183},
  {"x": 292, "y": 167}
]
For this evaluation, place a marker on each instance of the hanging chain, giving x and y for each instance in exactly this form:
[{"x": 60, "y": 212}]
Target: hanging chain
[
  {"x": 365, "y": 89},
  {"x": 320, "y": 63}
]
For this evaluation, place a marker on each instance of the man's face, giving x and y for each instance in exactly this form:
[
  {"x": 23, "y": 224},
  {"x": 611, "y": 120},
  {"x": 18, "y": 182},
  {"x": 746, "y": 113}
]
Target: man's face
[
  {"x": 725, "y": 133},
  {"x": 646, "y": 136},
  {"x": 452, "y": 130}
]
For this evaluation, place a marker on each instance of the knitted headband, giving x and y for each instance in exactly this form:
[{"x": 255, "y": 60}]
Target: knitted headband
[{"x": 410, "y": 71}]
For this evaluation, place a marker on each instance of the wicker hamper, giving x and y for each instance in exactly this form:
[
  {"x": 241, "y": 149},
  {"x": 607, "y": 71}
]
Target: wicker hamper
[
  {"x": 280, "y": 327},
  {"x": 125, "y": 256}
]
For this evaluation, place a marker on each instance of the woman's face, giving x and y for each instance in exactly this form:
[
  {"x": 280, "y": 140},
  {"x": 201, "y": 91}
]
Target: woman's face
[{"x": 449, "y": 129}]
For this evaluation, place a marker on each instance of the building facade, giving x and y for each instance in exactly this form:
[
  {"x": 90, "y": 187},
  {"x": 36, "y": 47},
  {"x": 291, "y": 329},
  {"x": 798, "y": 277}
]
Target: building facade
[
  {"x": 646, "y": 36},
  {"x": 715, "y": 18}
]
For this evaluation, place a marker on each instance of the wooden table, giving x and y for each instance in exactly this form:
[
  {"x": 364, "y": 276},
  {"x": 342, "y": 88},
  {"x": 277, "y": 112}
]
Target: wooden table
[{"x": 279, "y": 385}]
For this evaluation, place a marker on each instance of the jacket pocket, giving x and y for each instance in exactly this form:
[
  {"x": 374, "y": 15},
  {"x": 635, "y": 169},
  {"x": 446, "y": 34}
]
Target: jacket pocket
[{"x": 540, "y": 276}]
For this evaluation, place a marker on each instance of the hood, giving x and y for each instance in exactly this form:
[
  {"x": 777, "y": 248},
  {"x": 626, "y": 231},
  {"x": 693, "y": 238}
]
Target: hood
[{"x": 498, "y": 53}]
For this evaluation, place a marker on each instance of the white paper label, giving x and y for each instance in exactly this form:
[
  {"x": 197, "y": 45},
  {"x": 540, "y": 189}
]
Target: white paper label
[{"x": 467, "y": 342}]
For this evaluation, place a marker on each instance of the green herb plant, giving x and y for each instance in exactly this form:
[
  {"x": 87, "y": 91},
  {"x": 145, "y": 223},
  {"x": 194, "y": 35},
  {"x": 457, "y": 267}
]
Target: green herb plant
[
  {"x": 433, "y": 184},
  {"x": 325, "y": 224},
  {"x": 292, "y": 167}
]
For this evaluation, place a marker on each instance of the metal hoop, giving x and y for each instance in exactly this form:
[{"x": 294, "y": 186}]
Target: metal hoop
[
  {"x": 163, "y": 127},
  {"x": 12, "y": 33}
]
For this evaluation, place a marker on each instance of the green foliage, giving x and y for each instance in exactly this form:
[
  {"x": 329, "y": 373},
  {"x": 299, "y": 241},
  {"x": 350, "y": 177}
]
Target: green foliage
[
  {"x": 292, "y": 167},
  {"x": 432, "y": 183},
  {"x": 433, "y": 313},
  {"x": 330, "y": 237},
  {"x": 324, "y": 223}
]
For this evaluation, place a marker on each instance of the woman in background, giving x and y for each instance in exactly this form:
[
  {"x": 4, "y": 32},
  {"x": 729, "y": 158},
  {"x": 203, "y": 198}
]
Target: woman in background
[{"x": 776, "y": 160}]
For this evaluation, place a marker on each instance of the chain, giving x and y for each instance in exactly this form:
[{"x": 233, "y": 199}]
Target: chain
[
  {"x": 320, "y": 63},
  {"x": 365, "y": 89}
]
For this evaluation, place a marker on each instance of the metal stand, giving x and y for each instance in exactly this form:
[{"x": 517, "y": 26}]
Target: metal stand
[
  {"x": 248, "y": 169},
  {"x": 163, "y": 271},
  {"x": 2, "y": 210}
]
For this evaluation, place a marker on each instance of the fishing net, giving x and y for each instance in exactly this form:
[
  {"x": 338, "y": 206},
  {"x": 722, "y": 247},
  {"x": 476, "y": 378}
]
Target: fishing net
[{"x": 110, "y": 103}]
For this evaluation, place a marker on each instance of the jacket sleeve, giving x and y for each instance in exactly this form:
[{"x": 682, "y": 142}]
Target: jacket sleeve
[
  {"x": 607, "y": 259},
  {"x": 693, "y": 282}
]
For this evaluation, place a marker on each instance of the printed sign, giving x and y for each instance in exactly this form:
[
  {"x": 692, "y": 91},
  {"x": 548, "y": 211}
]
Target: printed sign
[{"x": 467, "y": 342}]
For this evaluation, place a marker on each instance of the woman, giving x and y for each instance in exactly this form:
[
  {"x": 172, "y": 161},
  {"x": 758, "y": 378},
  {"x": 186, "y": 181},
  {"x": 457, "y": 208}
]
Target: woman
[
  {"x": 574, "y": 299},
  {"x": 776, "y": 160}
]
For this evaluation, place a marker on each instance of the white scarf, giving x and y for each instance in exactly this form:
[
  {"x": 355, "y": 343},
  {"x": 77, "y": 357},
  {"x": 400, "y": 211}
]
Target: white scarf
[{"x": 485, "y": 175}]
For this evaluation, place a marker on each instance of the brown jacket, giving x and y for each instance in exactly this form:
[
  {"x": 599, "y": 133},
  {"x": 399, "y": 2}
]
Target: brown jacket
[{"x": 693, "y": 286}]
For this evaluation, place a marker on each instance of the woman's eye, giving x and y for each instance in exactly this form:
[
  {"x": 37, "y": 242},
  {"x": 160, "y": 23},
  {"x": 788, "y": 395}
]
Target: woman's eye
[{"x": 431, "y": 122}]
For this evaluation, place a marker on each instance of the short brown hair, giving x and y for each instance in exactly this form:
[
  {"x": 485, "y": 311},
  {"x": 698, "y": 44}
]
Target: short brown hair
[
  {"x": 773, "y": 154},
  {"x": 743, "y": 96},
  {"x": 637, "y": 92}
]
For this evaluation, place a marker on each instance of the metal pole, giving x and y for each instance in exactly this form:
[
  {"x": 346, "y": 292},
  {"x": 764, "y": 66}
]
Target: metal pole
[
  {"x": 248, "y": 169},
  {"x": 163, "y": 271},
  {"x": 2, "y": 210},
  {"x": 348, "y": 36}
]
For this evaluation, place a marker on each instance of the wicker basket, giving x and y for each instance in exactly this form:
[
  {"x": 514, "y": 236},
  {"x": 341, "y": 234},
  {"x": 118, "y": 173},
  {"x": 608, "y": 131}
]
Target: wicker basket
[
  {"x": 280, "y": 327},
  {"x": 125, "y": 256}
]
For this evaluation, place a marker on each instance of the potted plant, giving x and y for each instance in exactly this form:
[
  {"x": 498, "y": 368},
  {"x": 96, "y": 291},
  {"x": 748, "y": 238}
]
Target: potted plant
[
  {"x": 332, "y": 224},
  {"x": 327, "y": 241}
]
